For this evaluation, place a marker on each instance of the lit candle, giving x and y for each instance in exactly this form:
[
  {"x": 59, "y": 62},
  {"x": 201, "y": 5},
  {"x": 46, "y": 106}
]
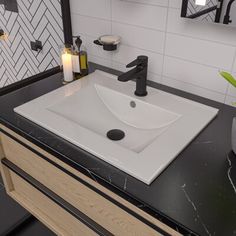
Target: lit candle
[{"x": 67, "y": 67}]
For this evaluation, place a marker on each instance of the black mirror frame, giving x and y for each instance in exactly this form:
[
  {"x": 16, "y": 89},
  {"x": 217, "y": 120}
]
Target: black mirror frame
[
  {"x": 218, "y": 9},
  {"x": 67, "y": 26}
]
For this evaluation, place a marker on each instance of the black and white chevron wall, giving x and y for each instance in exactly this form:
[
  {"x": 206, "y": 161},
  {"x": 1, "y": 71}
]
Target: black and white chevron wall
[{"x": 35, "y": 20}]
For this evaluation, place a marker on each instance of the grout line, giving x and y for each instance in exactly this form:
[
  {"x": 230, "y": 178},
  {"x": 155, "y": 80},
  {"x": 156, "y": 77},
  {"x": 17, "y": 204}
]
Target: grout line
[
  {"x": 111, "y": 9},
  {"x": 231, "y": 71},
  {"x": 158, "y": 30},
  {"x": 119, "y": 22},
  {"x": 138, "y": 26},
  {"x": 226, "y": 93},
  {"x": 144, "y": 4},
  {"x": 202, "y": 39},
  {"x": 164, "y": 46},
  {"x": 194, "y": 62},
  {"x": 111, "y": 15},
  {"x": 165, "y": 55},
  {"x": 194, "y": 85}
]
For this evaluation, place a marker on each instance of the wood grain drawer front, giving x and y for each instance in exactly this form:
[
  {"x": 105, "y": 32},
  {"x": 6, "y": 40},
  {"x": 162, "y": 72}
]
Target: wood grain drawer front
[
  {"x": 1, "y": 150},
  {"x": 47, "y": 211},
  {"x": 105, "y": 213}
]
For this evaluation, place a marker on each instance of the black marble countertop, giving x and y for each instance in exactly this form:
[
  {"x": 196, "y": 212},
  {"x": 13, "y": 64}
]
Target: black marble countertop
[{"x": 196, "y": 194}]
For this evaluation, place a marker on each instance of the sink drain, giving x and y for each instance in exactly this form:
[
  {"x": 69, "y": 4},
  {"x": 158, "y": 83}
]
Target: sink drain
[{"x": 115, "y": 134}]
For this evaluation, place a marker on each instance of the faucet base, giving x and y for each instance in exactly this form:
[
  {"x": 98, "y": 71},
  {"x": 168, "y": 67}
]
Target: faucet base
[{"x": 141, "y": 94}]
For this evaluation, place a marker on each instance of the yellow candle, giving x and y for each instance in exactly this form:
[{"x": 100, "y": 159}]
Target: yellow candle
[{"x": 67, "y": 67}]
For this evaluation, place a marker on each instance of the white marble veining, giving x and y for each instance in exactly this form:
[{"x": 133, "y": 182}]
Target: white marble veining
[
  {"x": 229, "y": 174},
  {"x": 195, "y": 209}
]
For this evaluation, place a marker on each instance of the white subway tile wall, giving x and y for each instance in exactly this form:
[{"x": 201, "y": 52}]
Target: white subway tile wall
[{"x": 183, "y": 54}]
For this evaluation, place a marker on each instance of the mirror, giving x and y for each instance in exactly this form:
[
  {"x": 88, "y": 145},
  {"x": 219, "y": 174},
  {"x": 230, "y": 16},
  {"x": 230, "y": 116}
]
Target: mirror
[{"x": 217, "y": 11}]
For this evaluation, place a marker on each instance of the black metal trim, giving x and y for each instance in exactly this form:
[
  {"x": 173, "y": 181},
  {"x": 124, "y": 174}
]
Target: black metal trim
[
  {"x": 227, "y": 19},
  {"x": 184, "y": 8},
  {"x": 219, "y": 11},
  {"x": 203, "y": 12},
  {"x": 66, "y": 17},
  {"x": 123, "y": 207},
  {"x": 19, "y": 225},
  {"x": 28, "y": 81},
  {"x": 57, "y": 199}
]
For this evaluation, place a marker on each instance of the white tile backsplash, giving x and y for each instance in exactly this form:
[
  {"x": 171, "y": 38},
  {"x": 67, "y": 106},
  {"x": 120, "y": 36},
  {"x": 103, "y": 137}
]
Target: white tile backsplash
[
  {"x": 142, "y": 15},
  {"x": 183, "y": 54},
  {"x": 127, "y": 53},
  {"x": 142, "y": 38},
  {"x": 99, "y": 9},
  {"x": 200, "y": 51},
  {"x": 189, "y": 72}
]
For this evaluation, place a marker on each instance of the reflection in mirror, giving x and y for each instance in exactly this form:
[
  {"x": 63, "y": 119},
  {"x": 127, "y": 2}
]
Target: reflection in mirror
[{"x": 218, "y": 11}]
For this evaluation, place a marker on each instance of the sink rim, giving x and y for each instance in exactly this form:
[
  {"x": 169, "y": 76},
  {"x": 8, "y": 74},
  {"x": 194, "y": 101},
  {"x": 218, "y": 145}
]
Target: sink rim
[{"x": 114, "y": 154}]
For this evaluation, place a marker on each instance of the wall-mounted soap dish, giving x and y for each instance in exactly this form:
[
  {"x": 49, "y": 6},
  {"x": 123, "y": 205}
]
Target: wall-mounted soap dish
[{"x": 108, "y": 42}]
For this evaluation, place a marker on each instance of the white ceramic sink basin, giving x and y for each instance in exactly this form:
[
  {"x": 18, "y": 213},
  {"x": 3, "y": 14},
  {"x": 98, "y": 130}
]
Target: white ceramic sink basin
[
  {"x": 156, "y": 127},
  {"x": 134, "y": 112}
]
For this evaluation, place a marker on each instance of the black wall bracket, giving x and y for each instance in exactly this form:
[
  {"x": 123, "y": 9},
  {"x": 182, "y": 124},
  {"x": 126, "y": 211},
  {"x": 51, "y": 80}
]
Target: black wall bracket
[{"x": 36, "y": 46}]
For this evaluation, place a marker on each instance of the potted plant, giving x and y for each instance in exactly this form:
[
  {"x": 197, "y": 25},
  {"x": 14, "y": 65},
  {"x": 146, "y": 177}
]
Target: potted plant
[{"x": 232, "y": 81}]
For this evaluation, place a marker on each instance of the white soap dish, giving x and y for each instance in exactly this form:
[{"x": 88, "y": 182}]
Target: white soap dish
[{"x": 109, "y": 42}]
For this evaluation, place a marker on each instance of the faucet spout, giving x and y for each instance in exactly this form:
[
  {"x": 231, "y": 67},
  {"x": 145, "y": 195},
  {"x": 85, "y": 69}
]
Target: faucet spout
[
  {"x": 139, "y": 73},
  {"x": 129, "y": 75}
]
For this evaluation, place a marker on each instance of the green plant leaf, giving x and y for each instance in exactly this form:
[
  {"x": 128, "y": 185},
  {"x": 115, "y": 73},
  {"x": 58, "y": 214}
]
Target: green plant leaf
[{"x": 228, "y": 77}]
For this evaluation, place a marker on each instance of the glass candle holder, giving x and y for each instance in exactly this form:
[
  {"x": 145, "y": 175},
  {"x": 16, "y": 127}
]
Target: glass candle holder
[{"x": 66, "y": 62}]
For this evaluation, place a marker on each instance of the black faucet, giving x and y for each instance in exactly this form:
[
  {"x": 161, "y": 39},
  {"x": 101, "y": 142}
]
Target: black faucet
[
  {"x": 227, "y": 19},
  {"x": 139, "y": 73}
]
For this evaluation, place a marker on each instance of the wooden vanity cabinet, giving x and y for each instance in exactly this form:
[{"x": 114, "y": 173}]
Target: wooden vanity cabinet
[
  {"x": 65, "y": 200},
  {"x": 1, "y": 151}
]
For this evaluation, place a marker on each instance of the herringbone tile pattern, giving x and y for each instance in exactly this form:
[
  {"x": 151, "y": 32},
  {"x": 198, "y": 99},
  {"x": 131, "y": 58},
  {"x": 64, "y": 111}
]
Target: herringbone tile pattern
[{"x": 36, "y": 20}]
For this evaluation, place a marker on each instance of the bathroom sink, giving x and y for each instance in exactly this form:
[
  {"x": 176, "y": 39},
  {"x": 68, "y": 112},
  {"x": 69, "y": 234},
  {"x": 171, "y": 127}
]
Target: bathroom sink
[
  {"x": 139, "y": 135},
  {"x": 134, "y": 112}
]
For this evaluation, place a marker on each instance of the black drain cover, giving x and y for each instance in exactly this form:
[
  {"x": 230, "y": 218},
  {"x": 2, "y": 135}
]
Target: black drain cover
[{"x": 115, "y": 134}]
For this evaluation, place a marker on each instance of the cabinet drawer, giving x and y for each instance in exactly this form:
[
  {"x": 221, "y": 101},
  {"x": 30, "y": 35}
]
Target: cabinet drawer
[
  {"x": 109, "y": 211},
  {"x": 42, "y": 207}
]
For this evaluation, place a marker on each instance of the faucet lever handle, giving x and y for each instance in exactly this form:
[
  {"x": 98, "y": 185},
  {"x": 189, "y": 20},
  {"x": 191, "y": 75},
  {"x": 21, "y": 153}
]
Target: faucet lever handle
[{"x": 140, "y": 61}]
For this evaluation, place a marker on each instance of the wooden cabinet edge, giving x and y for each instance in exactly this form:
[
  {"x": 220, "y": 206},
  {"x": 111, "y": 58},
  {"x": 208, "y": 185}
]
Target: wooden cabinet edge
[
  {"x": 1, "y": 152},
  {"x": 92, "y": 182},
  {"x": 4, "y": 172},
  {"x": 44, "y": 209}
]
